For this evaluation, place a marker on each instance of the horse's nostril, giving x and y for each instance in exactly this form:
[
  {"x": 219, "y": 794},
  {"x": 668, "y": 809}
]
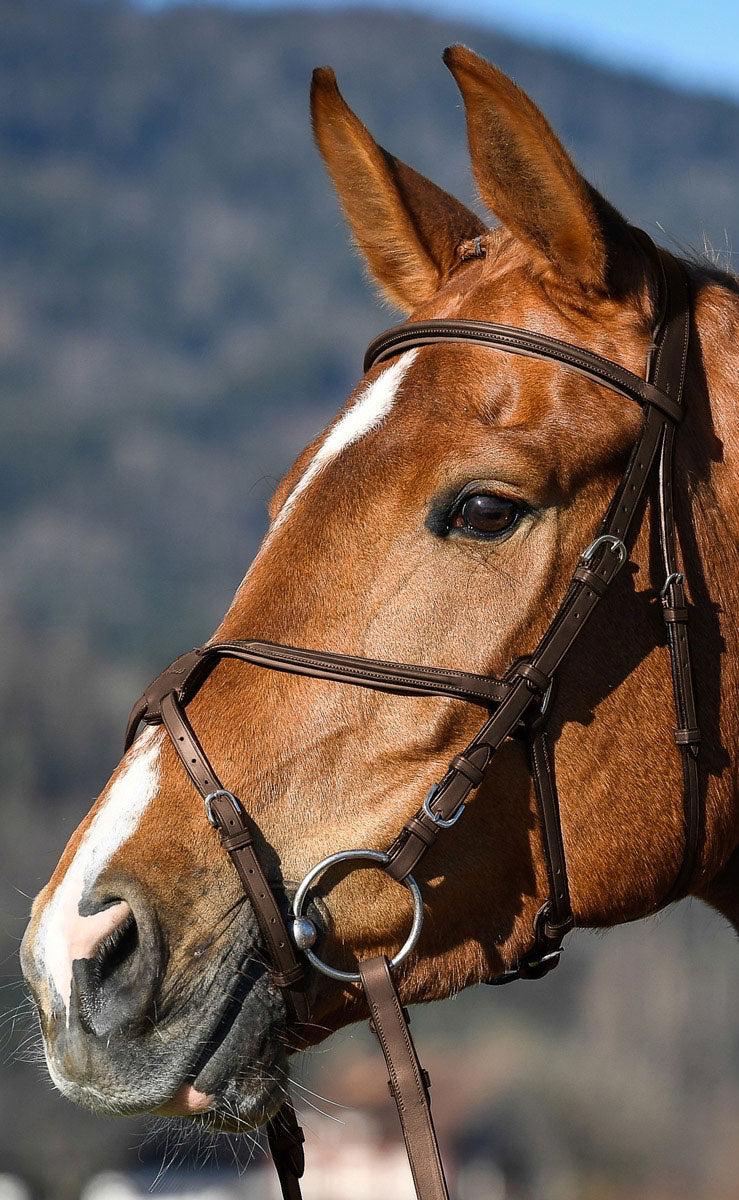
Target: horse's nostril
[
  {"x": 114, "y": 984},
  {"x": 115, "y": 950}
]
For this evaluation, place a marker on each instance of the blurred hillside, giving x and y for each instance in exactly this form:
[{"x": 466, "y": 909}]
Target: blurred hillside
[{"x": 179, "y": 314}]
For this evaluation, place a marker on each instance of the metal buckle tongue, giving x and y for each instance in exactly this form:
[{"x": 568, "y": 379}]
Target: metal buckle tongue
[
  {"x": 440, "y": 821},
  {"x": 208, "y": 802}
]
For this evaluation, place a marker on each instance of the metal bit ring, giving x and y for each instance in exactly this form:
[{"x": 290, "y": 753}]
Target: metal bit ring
[{"x": 382, "y": 860}]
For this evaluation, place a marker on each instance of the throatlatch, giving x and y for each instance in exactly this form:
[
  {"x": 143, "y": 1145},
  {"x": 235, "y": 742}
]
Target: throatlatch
[{"x": 517, "y": 705}]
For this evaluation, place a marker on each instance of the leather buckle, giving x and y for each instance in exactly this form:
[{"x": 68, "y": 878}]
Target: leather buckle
[
  {"x": 537, "y": 968},
  {"x": 614, "y": 543},
  {"x": 677, "y": 579},
  {"x": 208, "y": 802},
  {"x": 443, "y": 824}
]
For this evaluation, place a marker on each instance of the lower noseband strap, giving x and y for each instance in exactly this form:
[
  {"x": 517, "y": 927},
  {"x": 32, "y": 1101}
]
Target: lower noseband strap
[
  {"x": 285, "y": 1139},
  {"x": 226, "y": 814}
]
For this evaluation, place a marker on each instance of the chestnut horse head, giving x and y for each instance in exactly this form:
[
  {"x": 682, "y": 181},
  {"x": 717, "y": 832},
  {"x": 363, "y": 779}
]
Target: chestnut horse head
[{"x": 438, "y": 520}]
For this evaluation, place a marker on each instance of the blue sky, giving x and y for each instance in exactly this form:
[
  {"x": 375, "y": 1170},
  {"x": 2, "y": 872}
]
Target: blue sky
[{"x": 695, "y": 45}]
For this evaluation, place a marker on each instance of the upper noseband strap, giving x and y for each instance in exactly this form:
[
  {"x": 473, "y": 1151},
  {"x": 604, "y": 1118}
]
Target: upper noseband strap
[
  {"x": 405, "y": 679},
  {"x": 187, "y": 674}
]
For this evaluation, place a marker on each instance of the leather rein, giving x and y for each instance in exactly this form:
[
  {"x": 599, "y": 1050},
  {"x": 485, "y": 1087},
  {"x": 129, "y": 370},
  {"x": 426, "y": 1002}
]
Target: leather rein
[{"x": 517, "y": 705}]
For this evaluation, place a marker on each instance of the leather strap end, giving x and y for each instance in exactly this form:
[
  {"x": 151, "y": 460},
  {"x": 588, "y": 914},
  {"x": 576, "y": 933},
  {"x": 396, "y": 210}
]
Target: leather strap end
[
  {"x": 408, "y": 1081},
  {"x": 298, "y": 1005},
  {"x": 285, "y": 1138},
  {"x": 135, "y": 717}
]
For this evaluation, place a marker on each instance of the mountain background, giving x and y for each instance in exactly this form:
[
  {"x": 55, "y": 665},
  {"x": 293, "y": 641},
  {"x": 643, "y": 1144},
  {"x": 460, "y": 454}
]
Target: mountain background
[{"x": 179, "y": 314}]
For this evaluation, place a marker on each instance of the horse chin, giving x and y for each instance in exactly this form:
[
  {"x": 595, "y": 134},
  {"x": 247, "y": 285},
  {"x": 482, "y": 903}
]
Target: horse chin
[
  {"x": 230, "y": 1111},
  {"x": 242, "y": 1100},
  {"x": 233, "y": 1091},
  {"x": 186, "y": 1102}
]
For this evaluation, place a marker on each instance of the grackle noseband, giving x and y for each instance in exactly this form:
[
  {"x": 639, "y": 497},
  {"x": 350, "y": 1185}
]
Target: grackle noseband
[{"x": 517, "y": 705}]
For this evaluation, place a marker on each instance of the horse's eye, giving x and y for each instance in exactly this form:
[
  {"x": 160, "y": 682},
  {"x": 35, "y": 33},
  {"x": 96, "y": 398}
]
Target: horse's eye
[{"x": 486, "y": 514}]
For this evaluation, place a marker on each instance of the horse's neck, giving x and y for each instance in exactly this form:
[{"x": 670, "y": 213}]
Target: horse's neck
[
  {"x": 708, "y": 450},
  {"x": 709, "y": 446}
]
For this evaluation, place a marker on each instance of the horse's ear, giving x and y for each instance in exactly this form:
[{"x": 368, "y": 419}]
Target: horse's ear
[
  {"x": 526, "y": 177},
  {"x": 407, "y": 228}
]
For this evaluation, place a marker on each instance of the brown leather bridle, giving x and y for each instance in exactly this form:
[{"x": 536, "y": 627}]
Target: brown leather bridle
[{"x": 517, "y": 705}]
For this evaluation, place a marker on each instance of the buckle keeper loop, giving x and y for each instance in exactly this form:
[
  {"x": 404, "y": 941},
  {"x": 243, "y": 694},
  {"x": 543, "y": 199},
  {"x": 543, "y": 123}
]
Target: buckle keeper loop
[
  {"x": 591, "y": 579},
  {"x": 687, "y": 737},
  {"x": 537, "y": 680},
  {"x": 674, "y": 616},
  {"x": 285, "y": 979},
  {"x": 237, "y": 841},
  {"x": 468, "y": 769}
]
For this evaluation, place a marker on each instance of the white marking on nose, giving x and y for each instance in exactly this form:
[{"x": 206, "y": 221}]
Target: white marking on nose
[
  {"x": 64, "y": 934},
  {"x": 87, "y": 933},
  {"x": 366, "y": 413}
]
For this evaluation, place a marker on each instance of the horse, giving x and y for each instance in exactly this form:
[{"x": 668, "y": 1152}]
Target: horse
[{"x": 438, "y": 521}]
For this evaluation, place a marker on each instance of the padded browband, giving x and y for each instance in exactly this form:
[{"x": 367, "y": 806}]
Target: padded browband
[{"x": 532, "y": 345}]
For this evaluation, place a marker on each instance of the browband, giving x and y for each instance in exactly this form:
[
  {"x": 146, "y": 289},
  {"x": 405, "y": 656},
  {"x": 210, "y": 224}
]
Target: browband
[{"x": 531, "y": 345}]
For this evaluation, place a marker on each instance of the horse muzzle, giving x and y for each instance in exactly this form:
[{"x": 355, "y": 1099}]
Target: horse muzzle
[{"x": 130, "y": 1028}]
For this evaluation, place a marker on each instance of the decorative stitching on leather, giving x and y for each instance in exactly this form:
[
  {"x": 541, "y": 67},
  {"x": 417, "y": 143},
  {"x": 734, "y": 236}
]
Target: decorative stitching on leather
[
  {"x": 264, "y": 648},
  {"x": 397, "y": 1091},
  {"x": 594, "y": 365},
  {"x": 350, "y": 672}
]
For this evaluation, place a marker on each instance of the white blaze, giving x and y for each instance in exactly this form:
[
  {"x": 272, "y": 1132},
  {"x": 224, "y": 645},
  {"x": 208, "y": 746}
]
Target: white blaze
[
  {"x": 114, "y": 823},
  {"x": 62, "y": 925},
  {"x": 366, "y": 413}
]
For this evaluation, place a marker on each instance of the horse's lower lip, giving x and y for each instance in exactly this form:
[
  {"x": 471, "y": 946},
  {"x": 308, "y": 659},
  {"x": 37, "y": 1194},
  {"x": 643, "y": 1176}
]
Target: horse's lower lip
[
  {"x": 186, "y": 1102},
  {"x": 212, "y": 1081}
]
